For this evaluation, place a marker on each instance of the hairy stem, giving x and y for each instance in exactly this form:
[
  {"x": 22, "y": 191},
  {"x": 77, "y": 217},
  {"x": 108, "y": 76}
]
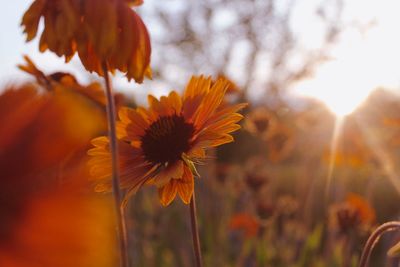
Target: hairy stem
[
  {"x": 374, "y": 238},
  {"x": 121, "y": 225},
  {"x": 195, "y": 232}
]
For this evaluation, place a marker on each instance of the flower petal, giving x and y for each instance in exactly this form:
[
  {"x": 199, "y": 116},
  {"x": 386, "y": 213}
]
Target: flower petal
[
  {"x": 212, "y": 139},
  {"x": 186, "y": 186},
  {"x": 175, "y": 102},
  {"x": 194, "y": 93},
  {"x": 173, "y": 171},
  {"x": 210, "y": 103},
  {"x": 168, "y": 192},
  {"x": 222, "y": 113},
  {"x": 132, "y": 125},
  {"x": 134, "y": 170}
]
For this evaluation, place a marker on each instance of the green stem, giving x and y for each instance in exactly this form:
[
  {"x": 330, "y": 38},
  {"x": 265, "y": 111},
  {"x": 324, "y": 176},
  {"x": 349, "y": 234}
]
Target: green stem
[{"x": 121, "y": 224}]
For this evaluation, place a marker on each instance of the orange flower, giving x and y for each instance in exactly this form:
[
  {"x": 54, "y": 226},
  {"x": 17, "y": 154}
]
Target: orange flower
[
  {"x": 99, "y": 30},
  {"x": 364, "y": 209},
  {"x": 352, "y": 149},
  {"x": 44, "y": 179},
  {"x": 245, "y": 222},
  {"x": 160, "y": 145},
  {"x": 280, "y": 143},
  {"x": 261, "y": 122},
  {"x": 353, "y": 214},
  {"x": 57, "y": 80}
]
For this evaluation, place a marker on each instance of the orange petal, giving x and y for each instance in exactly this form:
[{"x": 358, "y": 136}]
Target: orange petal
[
  {"x": 210, "y": 103},
  {"x": 139, "y": 63},
  {"x": 156, "y": 105},
  {"x": 173, "y": 171},
  {"x": 132, "y": 125},
  {"x": 175, "y": 102},
  {"x": 134, "y": 2},
  {"x": 101, "y": 141},
  {"x": 167, "y": 109},
  {"x": 196, "y": 153},
  {"x": 212, "y": 139},
  {"x": 168, "y": 192},
  {"x": 148, "y": 115},
  {"x": 134, "y": 170},
  {"x": 224, "y": 123},
  {"x": 198, "y": 85},
  {"x": 222, "y": 113},
  {"x": 194, "y": 93},
  {"x": 190, "y": 106},
  {"x": 31, "y": 19},
  {"x": 186, "y": 186}
]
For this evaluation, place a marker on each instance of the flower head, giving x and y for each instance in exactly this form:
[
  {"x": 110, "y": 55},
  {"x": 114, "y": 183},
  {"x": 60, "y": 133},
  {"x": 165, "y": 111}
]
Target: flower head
[
  {"x": 355, "y": 213},
  {"x": 280, "y": 144},
  {"x": 43, "y": 171},
  {"x": 245, "y": 222},
  {"x": 261, "y": 122},
  {"x": 101, "y": 31},
  {"x": 161, "y": 144},
  {"x": 65, "y": 81}
]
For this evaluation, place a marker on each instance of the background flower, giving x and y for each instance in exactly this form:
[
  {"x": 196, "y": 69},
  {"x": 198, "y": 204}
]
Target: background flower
[
  {"x": 98, "y": 30},
  {"x": 50, "y": 217}
]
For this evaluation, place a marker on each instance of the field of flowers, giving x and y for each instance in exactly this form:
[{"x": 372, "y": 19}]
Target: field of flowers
[{"x": 206, "y": 175}]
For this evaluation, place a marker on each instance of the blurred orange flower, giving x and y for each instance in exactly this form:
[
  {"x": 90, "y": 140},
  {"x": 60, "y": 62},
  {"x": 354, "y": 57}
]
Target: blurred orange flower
[
  {"x": 161, "y": 144},
  {"x": 63, "y": 229},
  {"x": 365, "y": 211},
  {"x": 280, "y": 144},
  {"x": 246, "y": 223},
  {"x": 134, "y": 2},
  {"x": 355, "y": 213},
  {"x": 51, "y": 82},
  {"x": 352, "y": 149},
  {"x": 49, "y": 217},
  {"x": 101, "y": 31},
  {"x": 261, "y": 122}
]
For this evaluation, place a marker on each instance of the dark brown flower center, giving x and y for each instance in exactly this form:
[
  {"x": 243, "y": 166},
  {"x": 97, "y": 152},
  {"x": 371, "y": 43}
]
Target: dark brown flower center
[
  {"x": 261, "y": 125},
  {"x": 166, "y": 139}
]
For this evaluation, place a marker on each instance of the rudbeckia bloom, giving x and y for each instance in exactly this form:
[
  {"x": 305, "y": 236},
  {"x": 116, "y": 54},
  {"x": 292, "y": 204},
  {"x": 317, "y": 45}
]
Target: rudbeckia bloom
[
  {"x": 355, "y": 214},
  {"x": 101, "y": 31},
  {"x": 261, "y": 122},
  {"x": 161, "y": 144},
  {"x": 245, "y": 222}
]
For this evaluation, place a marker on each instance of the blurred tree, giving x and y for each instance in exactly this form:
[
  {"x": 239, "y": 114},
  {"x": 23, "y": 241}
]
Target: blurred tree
[{"x": 260, "y": 44}]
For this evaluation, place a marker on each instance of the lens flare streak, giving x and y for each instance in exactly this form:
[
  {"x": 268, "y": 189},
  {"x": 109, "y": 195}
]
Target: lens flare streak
[{"x": 337, "y": 129}]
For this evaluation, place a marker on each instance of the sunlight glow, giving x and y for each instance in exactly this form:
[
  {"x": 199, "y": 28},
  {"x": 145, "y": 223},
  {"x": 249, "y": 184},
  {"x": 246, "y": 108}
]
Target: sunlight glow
[
  {"x": 333, "y": 149},
  {"x": 364, "y": 60},
  {"x": 385, "y": 159},
  {"x": 342, "y": 84}
]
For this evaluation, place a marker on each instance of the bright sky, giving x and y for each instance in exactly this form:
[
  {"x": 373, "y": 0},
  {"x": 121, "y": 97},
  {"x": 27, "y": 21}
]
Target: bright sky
[
  {"x": 360, "y": 63},
  {"x": 13, "y": 46}
]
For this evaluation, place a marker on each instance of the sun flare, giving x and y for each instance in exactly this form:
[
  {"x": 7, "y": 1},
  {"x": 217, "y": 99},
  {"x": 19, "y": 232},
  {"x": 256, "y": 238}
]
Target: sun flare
[
  {"x": 342, "y": 85},
  {"x": 339, "y": 89},
  {"x": 361, "y": 63}
]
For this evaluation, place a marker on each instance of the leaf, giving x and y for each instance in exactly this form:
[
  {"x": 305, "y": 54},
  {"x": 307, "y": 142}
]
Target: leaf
[{"x": 394, "y": 251}]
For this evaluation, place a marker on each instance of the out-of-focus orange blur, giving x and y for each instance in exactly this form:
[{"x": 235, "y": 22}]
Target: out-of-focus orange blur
[{"x": 49, "y": 215}]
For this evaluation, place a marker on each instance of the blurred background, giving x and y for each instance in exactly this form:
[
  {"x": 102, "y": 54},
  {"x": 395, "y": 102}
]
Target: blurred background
[{"x": 312, "y": 172}]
